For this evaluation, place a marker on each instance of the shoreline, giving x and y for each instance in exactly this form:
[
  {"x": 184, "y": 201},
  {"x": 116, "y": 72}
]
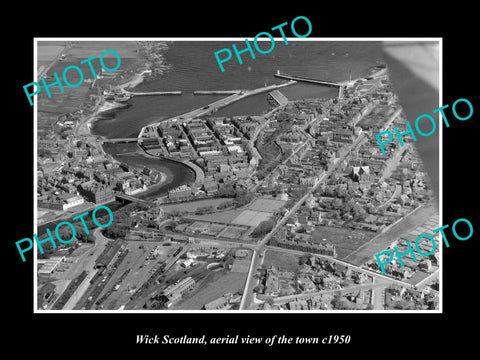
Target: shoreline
[{"x": 84, "y": 127}]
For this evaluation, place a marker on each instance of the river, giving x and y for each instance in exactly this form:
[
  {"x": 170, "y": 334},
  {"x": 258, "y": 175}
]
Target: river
[{"x": 193, "y": 67}]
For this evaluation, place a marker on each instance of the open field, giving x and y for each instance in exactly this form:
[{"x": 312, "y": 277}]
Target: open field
[
  {"x": 82, "y": 249},
  {"x": 251, "y": 215},
  {"x": 47, "y": 53},
  {"x": 345, "y": 240},
  {"x": 86, "y": 49},
  {"x": 215, "y": 285},
  {"x": 71, "y": 98},
  {"x": 266, "y": 205},
  {"x": 251, "y": 218},
  {"x": 192, "y": 206},
  {"x": 233, "y": 232},
  {"x": 220, "y": 217},
  {"x": 281, "y": 260}
]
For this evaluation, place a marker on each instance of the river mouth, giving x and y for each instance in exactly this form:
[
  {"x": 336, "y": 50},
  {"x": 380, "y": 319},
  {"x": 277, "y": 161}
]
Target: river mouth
[{"x": 190, "y": 68}]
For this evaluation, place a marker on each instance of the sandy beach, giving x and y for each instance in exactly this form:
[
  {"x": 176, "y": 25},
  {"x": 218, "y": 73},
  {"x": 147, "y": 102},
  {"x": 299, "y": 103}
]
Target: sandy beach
[{"x": 136, "y": 80}]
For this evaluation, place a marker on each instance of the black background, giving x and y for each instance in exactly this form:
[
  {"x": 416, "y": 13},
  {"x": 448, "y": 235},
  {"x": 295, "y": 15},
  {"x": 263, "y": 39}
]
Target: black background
[{"x": 115, "y": 334}]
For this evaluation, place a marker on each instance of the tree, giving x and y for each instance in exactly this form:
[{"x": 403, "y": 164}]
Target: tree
[
  {"x": 176, "y": 213},
  {"x": 336, "y": 299},
  {"x": 359, "y": 212},
  {"x": 337, "y": 203},
  {"x": 204, "y": 210},
  {"x": 302, "y": 260},
  {"x": 170, "y": 226},
  {"x": 263, "y": 228},
  {"x": 90, "y": 238}
]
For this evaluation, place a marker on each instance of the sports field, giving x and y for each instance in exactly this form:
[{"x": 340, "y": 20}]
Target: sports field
[
  {"x": 251, "y": 218},
  {"x": 233, "y": 232},
  {"x": 266, "y": 205}
]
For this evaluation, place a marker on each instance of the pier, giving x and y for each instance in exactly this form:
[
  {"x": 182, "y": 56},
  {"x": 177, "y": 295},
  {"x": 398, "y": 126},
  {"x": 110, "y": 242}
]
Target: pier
[
  {"x": 120, "y": 140},
  {"x": 216, "y": 92},
  {"x": 151, "y": 93},
  {"x": 306, "y": 79},
  {"x": 277, "y": 97},
  {"x": 208, "y": 109}
]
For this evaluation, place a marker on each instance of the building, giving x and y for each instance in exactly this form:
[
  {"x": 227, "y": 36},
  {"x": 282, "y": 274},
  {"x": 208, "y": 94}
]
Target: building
[
  {"x": 307, "y": 246},
  {"x": 344, "y": 136},
  {"x": 361, "y": 174},
  {"x": 96, "y": 192},
  {"x": 306, "y": 284},
  {"x": 182, "y": 192},
  {"x": 50, "y": 265},
  {"x": 329, "y": 282},
  {"x": 175, "y": 291},
  {"x": 61, "y": 202},
  {"x": 222, "y": 303}
]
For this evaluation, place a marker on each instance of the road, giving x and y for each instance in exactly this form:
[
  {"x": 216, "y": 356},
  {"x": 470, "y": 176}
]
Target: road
[
  {"x": 322, "y": 179},
  {"x": 297, "y": 149},
  {"x": 430, "y": 277},
  {"x": 390, "y": 120},
  {"x": 249, "y": 283},
  {"x": 378, "y": 295},
  {"x": 351, "y": 266},
  {"x": 251, "y": 143},
  {"x": 398, "y": 189}
]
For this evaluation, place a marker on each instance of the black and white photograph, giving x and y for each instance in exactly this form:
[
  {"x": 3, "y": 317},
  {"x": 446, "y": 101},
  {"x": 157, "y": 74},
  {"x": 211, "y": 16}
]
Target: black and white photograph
[
  {"x": 296, "y": 180},
  {"x": 272, "y": 185}
]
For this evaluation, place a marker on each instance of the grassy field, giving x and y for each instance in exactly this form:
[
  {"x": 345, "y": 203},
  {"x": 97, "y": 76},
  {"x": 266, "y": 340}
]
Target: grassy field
[
  {"x": 86, "y": 49},
  {"x": 345, "y": 240},
  {"x": 216, "y": 285},
  {"x": 71, "y": 98},
  {"x": 233, "y": 232},
  {"x": 194, "y": 205},
  {"x": 251, "y": 218},
  {"x": 267, "y": 205},
  {"x": 281, "y": 260},
  {"x": 250, "y": 215},
  {"x": 221, "y": 217},
  {"x": 49, "y": 52}
]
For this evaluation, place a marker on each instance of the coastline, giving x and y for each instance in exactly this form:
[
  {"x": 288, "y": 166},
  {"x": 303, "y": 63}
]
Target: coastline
[{"x": 84, "y": 127}]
